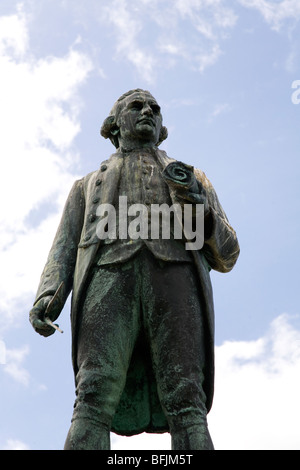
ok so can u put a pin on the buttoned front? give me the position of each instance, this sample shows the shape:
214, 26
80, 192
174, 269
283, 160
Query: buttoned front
141, 180
142, 183
93, 194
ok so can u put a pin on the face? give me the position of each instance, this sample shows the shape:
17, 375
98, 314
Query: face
139, 120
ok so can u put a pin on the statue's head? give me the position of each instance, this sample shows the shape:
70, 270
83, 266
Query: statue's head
135, 121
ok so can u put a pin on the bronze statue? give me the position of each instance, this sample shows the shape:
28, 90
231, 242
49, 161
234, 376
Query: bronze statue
142, 313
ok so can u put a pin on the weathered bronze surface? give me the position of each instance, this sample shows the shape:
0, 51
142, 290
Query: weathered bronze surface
142, 312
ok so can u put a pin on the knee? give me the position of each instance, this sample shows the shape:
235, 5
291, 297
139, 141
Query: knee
86, 434
185, 399
97, 396
189, 430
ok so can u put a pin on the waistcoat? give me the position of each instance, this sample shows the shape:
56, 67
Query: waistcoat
142, 183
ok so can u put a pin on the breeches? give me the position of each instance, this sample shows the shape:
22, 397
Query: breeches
159, 302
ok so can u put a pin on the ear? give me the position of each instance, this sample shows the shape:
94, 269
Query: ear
163, 135
110, 130
115, 131
107, 126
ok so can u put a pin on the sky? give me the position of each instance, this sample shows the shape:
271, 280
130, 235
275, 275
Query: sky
227, 77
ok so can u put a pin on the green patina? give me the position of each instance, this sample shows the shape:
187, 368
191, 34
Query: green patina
142, 313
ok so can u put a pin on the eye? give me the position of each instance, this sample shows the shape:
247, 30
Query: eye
135, 105
155, 108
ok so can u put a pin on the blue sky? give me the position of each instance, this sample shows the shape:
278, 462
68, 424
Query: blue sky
222, 72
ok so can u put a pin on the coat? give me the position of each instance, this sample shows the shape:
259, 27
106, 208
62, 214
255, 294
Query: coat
73, 252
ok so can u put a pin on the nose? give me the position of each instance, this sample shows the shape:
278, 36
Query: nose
147, 109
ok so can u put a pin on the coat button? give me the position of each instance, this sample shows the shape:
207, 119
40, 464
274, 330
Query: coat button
103, 167
96, 200
92, 218
98, 182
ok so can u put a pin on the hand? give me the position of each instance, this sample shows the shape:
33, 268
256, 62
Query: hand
198, 197
181, 177
37, 317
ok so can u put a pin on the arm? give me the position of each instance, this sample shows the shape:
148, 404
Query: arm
61, 261
221, 248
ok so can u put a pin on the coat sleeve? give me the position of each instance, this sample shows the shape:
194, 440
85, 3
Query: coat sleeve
61, 260
221, 248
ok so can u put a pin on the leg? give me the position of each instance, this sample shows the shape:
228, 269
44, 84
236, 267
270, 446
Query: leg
175, 329
107, 332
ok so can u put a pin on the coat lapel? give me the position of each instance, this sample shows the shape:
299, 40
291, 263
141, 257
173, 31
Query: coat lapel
103, 184
109, 174
163, 159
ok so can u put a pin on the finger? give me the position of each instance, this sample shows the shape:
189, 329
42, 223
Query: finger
201, 188
37, 323
41, 326
48, 331
194, 197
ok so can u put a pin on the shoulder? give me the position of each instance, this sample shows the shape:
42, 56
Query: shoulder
201, 176
85, 179
104, 165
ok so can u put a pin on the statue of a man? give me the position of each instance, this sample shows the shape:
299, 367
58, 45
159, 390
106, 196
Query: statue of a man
142, 313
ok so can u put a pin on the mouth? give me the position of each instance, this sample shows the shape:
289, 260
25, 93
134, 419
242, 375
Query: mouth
148, 121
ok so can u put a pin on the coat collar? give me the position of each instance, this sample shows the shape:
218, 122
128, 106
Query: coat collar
110, 171
115, 159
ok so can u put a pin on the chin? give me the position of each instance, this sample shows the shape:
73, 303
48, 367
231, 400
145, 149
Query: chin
145, 128
146, 131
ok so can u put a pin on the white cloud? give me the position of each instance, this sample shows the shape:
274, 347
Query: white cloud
207, 59
256, 405
14, 33
14, 365
39, 118
157, 34
127, 29
2, 352
142, 441
163, 22
219, 109
207, 15
275, 13
15, 444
